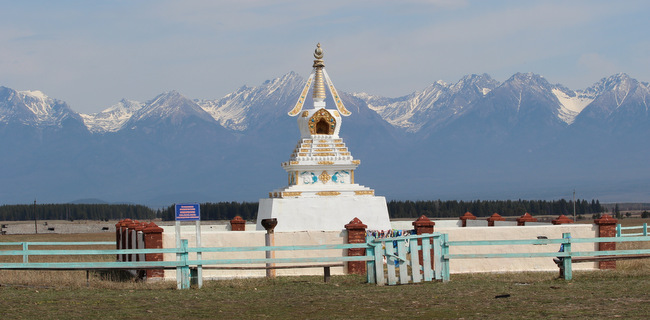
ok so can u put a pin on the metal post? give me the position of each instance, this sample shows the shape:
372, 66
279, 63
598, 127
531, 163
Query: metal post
269, 225
35, 228
574, 205
199, 268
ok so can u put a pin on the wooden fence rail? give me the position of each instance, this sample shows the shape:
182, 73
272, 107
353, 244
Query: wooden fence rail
566, 256
182, 264
406, 259
620, 229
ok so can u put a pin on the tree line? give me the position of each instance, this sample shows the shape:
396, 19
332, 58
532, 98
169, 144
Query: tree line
76, 212
248, 210
485, 208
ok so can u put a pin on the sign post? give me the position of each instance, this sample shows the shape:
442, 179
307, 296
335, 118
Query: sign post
189, 212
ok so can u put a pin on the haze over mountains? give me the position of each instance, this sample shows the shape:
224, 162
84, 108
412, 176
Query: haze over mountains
475, 139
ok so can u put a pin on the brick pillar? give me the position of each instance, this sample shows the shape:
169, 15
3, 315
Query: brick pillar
495, 217
562, 219
356, 234
124, 236
526, 217
237, 224
153, 240
422, 226
467, 216
606, 228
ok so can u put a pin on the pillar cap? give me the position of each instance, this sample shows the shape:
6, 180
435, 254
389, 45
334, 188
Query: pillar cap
527, 217
355, 224
562, 219
237, 219
152, 228
423, 221
606, 220
140, 226
496, 217
468, 216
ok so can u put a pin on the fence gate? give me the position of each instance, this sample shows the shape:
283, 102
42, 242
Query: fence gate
407, 259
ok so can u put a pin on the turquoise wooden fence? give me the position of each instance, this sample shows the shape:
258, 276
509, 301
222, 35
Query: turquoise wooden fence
182, 264
401, 260
620, 229
396, 260
567, 255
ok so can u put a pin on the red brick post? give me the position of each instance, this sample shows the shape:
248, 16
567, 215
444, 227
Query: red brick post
467, 216
356, 234
562, 219
526, 217
153, 240
495, 217
423, 226
237, 224
606, 228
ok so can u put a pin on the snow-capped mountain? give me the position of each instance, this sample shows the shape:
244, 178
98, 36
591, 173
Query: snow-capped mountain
240, 109
438, 103
33, 108
170, 108
113, 118
618, 98
476, 138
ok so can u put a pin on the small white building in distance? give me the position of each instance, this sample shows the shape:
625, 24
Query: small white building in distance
322, 193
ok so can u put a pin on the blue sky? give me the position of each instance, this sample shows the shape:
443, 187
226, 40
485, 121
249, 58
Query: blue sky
91, 54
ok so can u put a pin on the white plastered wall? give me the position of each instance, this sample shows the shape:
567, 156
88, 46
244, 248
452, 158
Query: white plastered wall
211, 238
513, 233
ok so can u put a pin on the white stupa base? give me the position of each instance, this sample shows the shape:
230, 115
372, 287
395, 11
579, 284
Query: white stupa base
324, 213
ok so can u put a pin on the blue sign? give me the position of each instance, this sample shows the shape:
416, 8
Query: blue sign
188, 212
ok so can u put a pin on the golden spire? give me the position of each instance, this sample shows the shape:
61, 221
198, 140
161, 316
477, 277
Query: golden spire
319, 83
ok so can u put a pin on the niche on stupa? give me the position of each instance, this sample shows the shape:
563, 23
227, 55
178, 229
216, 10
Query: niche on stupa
322, 122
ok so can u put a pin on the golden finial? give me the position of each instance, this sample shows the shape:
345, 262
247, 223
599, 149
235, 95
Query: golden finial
319, 85
318, 53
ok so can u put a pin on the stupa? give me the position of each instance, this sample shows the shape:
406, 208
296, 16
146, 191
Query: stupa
321, 192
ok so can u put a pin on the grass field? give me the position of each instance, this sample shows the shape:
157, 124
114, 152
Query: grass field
622, 293
595, 295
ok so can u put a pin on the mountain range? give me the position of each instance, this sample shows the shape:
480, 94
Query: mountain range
477, 138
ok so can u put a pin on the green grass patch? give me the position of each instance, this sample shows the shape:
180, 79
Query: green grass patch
600, 294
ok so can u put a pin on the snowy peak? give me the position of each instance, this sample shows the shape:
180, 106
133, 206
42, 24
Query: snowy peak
618, 98
33, 108
526, 96
113, 118
169, 107
436, 104
238, 110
